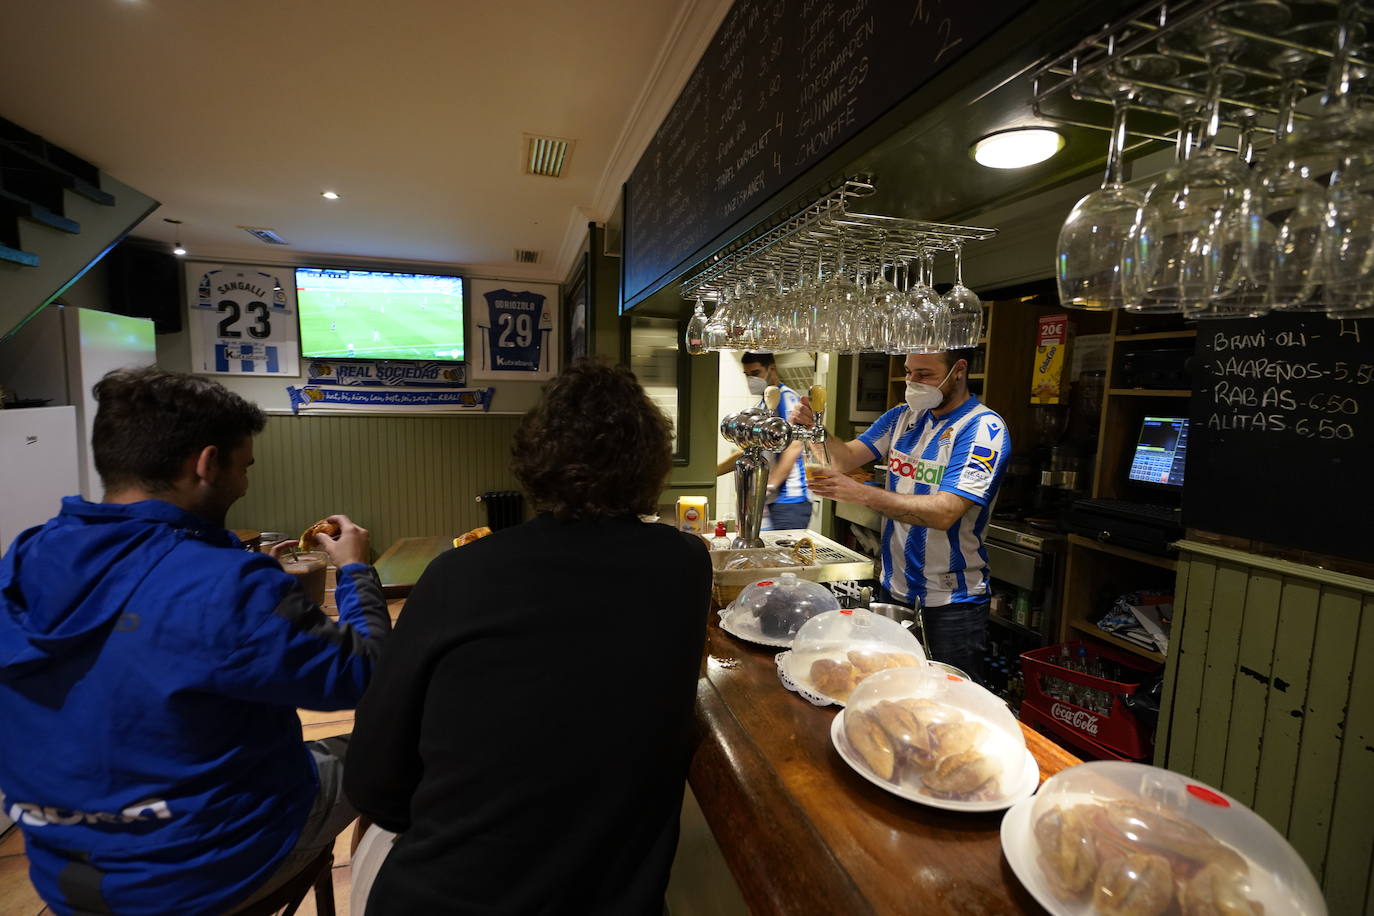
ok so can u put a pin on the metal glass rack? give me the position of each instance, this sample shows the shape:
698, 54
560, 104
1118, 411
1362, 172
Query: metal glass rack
825, 234
1068, 88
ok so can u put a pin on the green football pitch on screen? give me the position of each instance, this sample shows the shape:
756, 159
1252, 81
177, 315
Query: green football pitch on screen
375, 324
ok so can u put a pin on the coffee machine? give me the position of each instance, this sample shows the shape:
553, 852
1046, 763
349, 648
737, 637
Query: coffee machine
757, 431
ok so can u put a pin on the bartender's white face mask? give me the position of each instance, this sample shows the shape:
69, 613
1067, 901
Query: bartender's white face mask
756, 385
920, 396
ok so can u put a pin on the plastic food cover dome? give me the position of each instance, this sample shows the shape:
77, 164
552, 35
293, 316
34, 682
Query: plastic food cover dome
932, 737
834, 651
771, 611
1116, 837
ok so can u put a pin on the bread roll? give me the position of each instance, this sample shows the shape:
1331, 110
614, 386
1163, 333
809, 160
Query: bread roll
323, 526
469, 536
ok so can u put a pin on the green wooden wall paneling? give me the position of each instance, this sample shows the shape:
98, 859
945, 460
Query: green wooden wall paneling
396, 476
1283, 720
1350, 848
1269, 695
1333, 657
1250, 698
1219, 673
1164, 734
1191, 655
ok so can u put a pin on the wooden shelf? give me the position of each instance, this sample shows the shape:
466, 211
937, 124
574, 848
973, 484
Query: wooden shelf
1150, 392
1095, 632
1157, 335
1127, 553
1016, 627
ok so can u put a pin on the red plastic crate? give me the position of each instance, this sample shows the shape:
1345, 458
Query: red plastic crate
1087, 748
1116, 729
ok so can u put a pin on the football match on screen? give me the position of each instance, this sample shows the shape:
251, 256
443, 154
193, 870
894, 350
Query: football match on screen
358, 314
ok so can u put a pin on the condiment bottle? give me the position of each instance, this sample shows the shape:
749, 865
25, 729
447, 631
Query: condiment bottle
721, 541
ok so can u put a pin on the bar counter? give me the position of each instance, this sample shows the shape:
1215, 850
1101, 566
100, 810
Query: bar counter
805, 834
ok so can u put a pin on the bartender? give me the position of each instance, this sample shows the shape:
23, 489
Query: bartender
788, 502
945, 452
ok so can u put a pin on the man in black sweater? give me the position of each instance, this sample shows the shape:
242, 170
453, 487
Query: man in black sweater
529, 731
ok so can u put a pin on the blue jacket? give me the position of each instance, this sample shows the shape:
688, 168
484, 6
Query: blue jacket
150, 671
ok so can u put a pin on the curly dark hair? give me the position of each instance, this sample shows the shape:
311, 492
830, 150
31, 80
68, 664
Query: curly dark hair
594, 446
150, 420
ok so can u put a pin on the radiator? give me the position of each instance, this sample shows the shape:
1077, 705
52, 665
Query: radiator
504, 508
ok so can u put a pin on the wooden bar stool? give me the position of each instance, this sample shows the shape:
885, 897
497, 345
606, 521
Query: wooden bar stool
317, 873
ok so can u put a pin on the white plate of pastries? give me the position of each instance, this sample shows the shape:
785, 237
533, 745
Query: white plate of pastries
1111, 838
940, 742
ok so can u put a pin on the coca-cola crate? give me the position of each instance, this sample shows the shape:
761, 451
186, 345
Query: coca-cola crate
1098, 715
1086, 747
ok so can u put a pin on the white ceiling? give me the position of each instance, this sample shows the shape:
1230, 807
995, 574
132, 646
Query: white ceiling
240, 112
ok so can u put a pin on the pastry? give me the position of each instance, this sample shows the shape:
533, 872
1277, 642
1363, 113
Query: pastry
470, 536
960, 775
1217, 890
868, 738
323, 526
903, 726
1133, 885
832, 678
1068, 855
872, 662
1131, 827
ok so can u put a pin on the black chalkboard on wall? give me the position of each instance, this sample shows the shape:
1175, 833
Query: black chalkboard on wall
782, 84
1281, 438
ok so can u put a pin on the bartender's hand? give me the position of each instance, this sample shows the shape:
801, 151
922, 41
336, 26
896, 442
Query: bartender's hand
839, 487
802, 414
351, 546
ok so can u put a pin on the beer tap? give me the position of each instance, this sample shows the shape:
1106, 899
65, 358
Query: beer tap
757, 431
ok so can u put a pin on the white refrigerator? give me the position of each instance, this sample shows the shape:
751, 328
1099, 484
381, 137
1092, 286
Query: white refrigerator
60, 354
39, 465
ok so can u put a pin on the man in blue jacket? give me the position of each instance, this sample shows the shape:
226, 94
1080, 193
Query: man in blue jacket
150, 671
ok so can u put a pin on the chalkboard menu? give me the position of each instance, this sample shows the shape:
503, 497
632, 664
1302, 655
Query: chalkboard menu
782, 84
1281, 439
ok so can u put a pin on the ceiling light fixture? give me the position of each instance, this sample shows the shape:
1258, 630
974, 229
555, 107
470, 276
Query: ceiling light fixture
330, 195
176, 246
1017, 147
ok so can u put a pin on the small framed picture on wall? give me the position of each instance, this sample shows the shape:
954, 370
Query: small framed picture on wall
578, 308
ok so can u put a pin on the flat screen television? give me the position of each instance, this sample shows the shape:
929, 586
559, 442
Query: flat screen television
1160, 452
374, 314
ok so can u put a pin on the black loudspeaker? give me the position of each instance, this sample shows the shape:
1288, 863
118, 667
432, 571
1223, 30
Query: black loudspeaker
145, 282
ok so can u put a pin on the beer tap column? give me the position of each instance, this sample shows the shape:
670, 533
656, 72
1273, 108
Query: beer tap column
757, 431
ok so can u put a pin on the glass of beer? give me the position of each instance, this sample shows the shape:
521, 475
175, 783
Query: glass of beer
816, 461
308, 567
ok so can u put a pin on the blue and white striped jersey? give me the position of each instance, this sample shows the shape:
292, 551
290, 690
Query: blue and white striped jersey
793, 489
964, 453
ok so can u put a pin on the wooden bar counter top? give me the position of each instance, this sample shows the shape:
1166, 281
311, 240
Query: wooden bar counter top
804, 834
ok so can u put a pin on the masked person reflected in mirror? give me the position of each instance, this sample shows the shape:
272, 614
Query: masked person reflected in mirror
944, 452
788, 504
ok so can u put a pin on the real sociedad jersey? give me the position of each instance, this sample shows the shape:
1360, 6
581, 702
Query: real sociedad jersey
793, 489
515, 336
963, 453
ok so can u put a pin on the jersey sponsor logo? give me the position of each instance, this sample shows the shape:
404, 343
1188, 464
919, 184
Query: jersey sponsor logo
921, 471
41, 816
982, 458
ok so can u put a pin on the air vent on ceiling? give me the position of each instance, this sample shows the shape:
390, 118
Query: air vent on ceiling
525, 256
546, 155
264, 235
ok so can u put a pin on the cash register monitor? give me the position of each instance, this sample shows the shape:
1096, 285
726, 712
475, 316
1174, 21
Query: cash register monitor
1160, 451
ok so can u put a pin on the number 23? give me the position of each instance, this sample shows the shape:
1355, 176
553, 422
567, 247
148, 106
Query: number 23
261, 328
